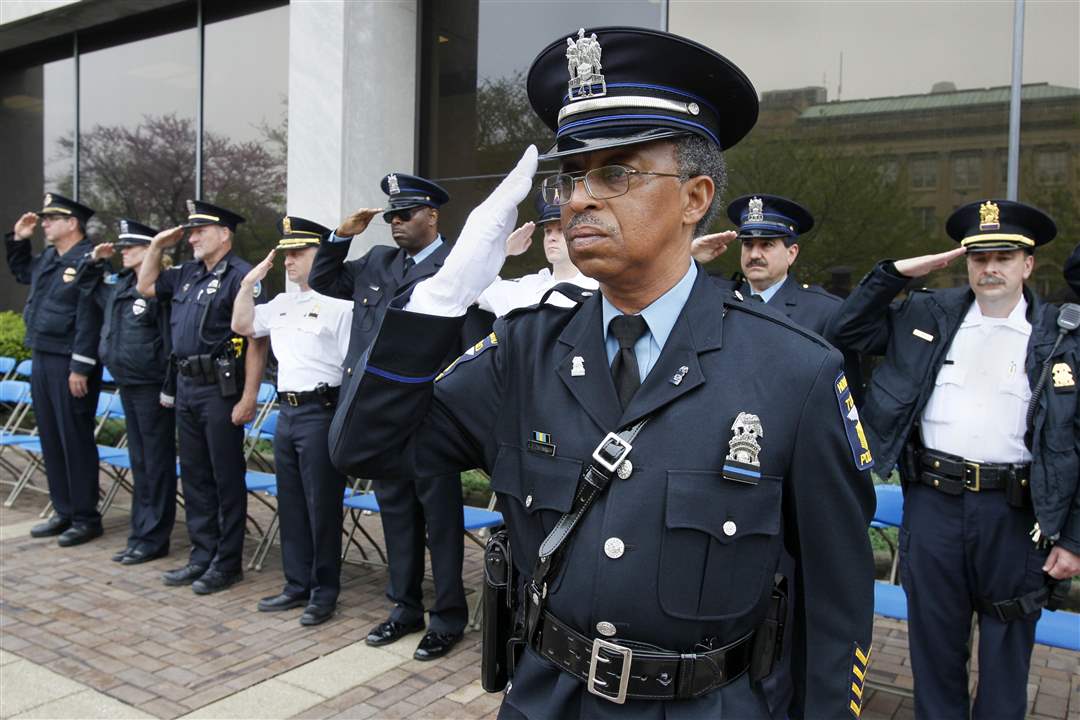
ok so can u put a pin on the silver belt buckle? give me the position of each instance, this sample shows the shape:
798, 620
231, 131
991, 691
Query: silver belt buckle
624, 450
595, 686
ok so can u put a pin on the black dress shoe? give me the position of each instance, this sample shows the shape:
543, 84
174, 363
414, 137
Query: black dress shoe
316, 614
282, 601
435, 645
141, 555
119, 557
80, 533
183, 576
53, 526
214, 581
390, 631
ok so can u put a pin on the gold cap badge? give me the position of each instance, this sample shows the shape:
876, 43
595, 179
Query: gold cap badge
989, 216
286, 224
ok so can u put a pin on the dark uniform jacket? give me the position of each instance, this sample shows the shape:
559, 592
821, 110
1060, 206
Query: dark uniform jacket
59, 318
135, 343
870, 322
812, 306
202, 303
1072, 270
701, 550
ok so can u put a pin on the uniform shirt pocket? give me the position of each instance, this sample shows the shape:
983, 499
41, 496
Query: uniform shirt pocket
720, 544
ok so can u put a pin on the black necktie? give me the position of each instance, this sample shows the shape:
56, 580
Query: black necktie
757, 298
624, 368
409, 262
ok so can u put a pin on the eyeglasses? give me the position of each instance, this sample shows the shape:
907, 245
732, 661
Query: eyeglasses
405, 215
601, 183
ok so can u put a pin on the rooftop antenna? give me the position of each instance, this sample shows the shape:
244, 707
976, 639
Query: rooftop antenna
840, 82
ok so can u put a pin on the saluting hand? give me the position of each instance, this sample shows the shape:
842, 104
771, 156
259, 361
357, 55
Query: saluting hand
357, 222
168, 238
520, 240
77, 384
709, 247
24, 226
257, 273
103, 251
926, 264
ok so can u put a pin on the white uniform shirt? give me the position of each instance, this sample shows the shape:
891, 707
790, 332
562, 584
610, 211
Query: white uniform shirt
979, 404
310, 336
502, 296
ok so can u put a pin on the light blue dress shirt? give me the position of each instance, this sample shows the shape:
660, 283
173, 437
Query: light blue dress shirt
767, 293
660, 318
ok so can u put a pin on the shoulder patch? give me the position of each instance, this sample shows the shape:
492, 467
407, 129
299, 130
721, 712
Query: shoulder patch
471, 354
860, 663
856, 436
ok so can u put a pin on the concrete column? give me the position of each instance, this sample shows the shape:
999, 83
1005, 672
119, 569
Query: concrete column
352, 107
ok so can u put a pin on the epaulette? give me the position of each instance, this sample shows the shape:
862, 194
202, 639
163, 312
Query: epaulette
574, 293
819, 291
737, 301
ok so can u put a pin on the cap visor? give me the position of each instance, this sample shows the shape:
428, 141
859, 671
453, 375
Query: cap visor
577, 145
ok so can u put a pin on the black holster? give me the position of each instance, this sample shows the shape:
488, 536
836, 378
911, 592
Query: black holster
501, 642
229, 377
769, 637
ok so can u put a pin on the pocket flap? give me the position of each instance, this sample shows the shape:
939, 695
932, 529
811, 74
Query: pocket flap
540, 482
708, 502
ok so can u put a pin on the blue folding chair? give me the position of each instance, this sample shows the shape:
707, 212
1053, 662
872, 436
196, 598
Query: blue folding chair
7, 366
24, 368
107, 377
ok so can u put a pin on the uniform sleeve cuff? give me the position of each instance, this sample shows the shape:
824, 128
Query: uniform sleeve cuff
335, 238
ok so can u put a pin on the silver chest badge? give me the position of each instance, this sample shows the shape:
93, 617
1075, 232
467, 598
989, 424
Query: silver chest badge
212, 287
139, 306
583, 61
742, 464
577, 366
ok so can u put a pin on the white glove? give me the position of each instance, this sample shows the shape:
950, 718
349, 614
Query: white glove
480, 251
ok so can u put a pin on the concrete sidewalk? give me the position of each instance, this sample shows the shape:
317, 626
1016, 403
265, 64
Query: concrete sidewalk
84, 637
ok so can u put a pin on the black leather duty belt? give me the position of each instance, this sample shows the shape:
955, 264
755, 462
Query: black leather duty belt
326, 397
617, 671
953, 475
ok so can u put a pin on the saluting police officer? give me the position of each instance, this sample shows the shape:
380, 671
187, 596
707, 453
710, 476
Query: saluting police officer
309, 334
988, 484
135, 346
502, 296
417, 509
770, 228
216, 393
62, 330
654, 447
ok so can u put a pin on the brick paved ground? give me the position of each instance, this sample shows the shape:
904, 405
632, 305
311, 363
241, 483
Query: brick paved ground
167, 652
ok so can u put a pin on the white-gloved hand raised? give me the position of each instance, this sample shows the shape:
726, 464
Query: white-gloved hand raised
480, 251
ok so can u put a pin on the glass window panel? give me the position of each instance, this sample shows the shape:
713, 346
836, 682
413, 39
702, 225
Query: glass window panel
137, 129
967, 172
923, 172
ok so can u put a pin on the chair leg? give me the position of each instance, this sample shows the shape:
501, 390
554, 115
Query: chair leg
20, 484
272, 531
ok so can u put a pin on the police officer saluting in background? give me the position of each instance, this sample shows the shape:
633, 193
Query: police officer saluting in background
989, 485
655, 447
416, 511
135, 348
62, 330
309, 334
216, 393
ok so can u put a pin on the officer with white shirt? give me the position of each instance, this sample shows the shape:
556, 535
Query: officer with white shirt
991, 513
502, 296
309, 334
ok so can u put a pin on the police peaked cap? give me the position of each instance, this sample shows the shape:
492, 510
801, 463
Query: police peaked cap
131, 233
769, 216
633, 85
546, 213
298, 233
203, 213
408, 191
61, 206
988, 225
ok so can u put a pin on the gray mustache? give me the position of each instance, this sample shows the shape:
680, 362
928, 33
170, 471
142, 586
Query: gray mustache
990, 280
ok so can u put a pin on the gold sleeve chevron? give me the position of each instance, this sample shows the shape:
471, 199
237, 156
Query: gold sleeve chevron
471, 354
859, 667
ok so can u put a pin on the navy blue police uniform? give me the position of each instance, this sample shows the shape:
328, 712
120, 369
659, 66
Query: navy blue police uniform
135, 346
212, 465
669, 575
1072, 270
966, 545
62, 330
811, 306
309, 334
405, 508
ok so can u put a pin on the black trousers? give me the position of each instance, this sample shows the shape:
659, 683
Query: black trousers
414, 511
212, 471
310, 493
151, 433
952, 551
66, 426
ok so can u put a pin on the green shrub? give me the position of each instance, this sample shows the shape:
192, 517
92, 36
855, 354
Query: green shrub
12, 332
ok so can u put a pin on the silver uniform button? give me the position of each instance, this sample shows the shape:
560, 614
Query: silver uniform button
605, 628
528, 501
614, 548
624, 469
729, 528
